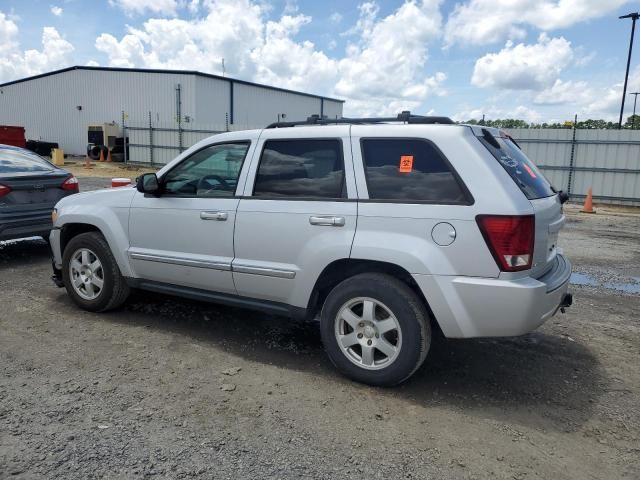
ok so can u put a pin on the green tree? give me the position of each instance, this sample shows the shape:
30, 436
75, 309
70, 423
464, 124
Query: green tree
632, 122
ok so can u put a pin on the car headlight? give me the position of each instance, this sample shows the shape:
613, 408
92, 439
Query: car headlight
54, 216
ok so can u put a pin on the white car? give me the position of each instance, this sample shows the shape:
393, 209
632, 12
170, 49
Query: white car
388, 228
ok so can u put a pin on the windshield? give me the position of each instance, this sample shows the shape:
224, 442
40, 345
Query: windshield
522, 170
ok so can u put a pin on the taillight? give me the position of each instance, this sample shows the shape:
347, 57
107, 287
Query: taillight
510, 239
71, 184
4, 190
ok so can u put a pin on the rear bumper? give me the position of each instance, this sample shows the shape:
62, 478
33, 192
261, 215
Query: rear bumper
25, 224
467, 307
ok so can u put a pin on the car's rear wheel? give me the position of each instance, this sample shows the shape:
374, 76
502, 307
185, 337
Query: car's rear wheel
375, 329
91, 275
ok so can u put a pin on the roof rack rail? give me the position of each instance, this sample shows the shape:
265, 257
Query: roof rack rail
405, 117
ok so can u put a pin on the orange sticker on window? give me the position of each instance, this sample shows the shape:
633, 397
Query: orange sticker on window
406, 163
529, 171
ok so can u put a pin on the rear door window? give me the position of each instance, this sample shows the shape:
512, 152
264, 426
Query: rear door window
301, 169
522, 170
410, 170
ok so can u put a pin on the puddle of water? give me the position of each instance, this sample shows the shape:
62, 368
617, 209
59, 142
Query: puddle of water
624, 287
583, 279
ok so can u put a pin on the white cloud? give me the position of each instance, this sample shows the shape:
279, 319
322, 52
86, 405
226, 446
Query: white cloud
604, 102
138, 7
381, 72
15, 63
487, 21
560, 102
336, 17
230, 30
384, 71
55, 10
194, 6
564, 92
524, 67
290, 7
8, 34
282, 61
368, 12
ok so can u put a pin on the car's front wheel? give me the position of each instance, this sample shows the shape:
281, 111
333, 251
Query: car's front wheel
375, 329
91, 275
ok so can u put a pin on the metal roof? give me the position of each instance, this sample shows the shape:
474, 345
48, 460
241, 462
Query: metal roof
178, 72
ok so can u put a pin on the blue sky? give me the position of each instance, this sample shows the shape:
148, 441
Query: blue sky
541, 60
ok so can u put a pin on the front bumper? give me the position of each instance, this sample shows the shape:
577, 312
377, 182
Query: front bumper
467, 307
57, 276
56, 254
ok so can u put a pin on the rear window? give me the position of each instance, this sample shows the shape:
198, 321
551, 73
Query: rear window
301, 169
13, 161
410, 170
523, 171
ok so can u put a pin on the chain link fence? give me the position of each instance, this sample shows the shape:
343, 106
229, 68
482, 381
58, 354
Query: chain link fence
154, 142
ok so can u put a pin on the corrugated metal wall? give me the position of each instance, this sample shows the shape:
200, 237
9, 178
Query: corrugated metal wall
253, 107
47, 107
606, 160
332, 109
212, 104
256, 107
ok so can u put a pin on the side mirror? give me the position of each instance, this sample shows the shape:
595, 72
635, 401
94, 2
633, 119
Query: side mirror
148, 183
563, 196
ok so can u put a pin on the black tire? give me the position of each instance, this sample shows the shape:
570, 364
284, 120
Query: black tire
411, 315
115, 289
94, 152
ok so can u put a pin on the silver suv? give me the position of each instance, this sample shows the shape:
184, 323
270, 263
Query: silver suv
390, 229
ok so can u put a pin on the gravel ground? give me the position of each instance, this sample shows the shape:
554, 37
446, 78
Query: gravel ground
94, 183
168, 388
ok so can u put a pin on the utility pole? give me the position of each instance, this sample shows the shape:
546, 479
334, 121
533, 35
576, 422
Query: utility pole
633, 17
633, 119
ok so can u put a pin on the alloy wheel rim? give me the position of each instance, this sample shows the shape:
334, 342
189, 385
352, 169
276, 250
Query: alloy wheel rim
368, 333
87, 274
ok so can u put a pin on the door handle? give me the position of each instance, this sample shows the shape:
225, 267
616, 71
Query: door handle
327, 221
220, 216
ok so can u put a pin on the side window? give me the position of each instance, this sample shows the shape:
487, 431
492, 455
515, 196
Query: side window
409, 170
210, 172
301, 168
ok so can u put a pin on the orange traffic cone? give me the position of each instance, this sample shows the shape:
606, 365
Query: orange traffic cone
588, 203
108, 155
87, 163
101, 155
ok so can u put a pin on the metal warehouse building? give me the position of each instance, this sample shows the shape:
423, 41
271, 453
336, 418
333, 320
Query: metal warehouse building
163, 111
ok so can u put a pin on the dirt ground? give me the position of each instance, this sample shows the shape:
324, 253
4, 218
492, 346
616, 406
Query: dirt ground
168, 388
77, 166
